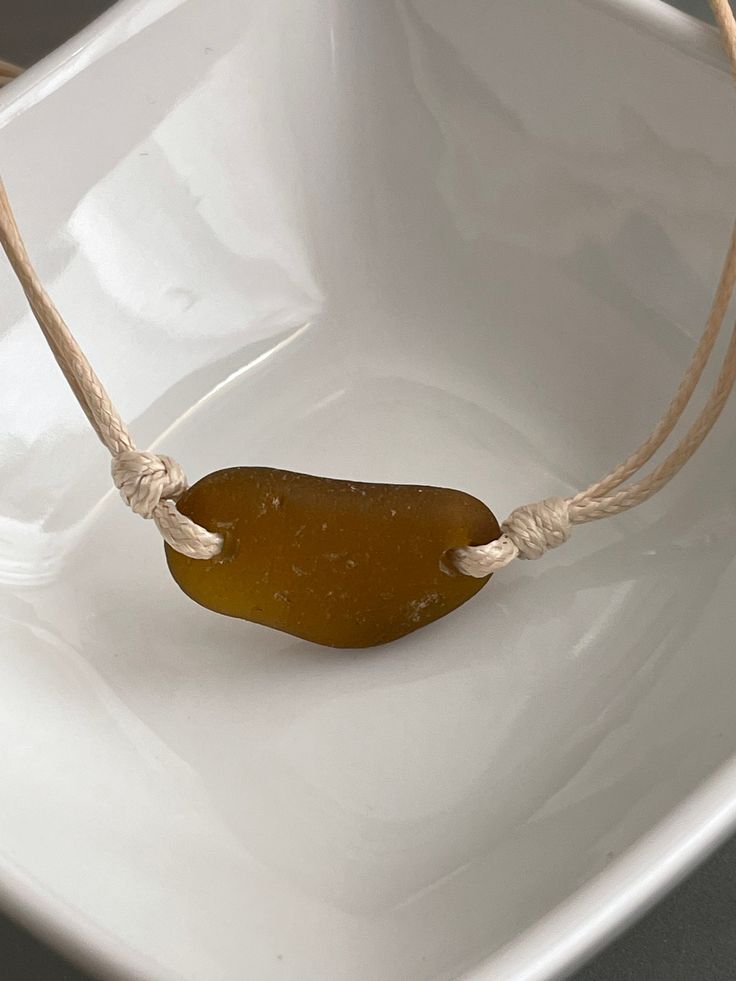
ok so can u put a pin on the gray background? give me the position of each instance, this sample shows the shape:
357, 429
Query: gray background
689, 936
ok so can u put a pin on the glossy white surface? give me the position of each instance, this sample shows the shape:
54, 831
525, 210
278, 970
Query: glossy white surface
465, 244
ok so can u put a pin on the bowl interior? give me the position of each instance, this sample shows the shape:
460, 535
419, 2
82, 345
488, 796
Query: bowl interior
469, 245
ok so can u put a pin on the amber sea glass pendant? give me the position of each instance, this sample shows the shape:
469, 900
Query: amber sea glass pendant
335, 562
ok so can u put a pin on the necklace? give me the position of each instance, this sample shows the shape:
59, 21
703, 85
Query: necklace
349, 564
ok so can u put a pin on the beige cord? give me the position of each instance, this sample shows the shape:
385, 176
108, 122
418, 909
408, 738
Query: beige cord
531, 530
8, 72
724, 18
148, 483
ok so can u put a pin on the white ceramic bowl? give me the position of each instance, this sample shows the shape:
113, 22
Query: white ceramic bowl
463, 243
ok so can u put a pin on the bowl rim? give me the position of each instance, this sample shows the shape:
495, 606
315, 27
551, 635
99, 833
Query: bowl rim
563, 939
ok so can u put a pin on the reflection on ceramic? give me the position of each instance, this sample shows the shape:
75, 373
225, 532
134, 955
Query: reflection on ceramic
466, 244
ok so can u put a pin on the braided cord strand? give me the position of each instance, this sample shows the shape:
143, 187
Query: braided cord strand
149, 483
532, 529
8, 71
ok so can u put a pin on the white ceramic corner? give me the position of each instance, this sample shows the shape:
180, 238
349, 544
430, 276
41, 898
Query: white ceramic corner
467, 244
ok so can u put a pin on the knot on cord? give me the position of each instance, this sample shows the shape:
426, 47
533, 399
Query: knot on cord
528, 533
146, 479
535, 528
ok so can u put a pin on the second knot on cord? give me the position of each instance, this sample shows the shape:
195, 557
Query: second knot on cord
528, 533
535, 528
144, 479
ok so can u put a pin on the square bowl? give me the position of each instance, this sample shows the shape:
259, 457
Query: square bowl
465, 244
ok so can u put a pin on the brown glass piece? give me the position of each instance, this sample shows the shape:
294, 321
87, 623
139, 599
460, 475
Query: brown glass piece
339, 563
